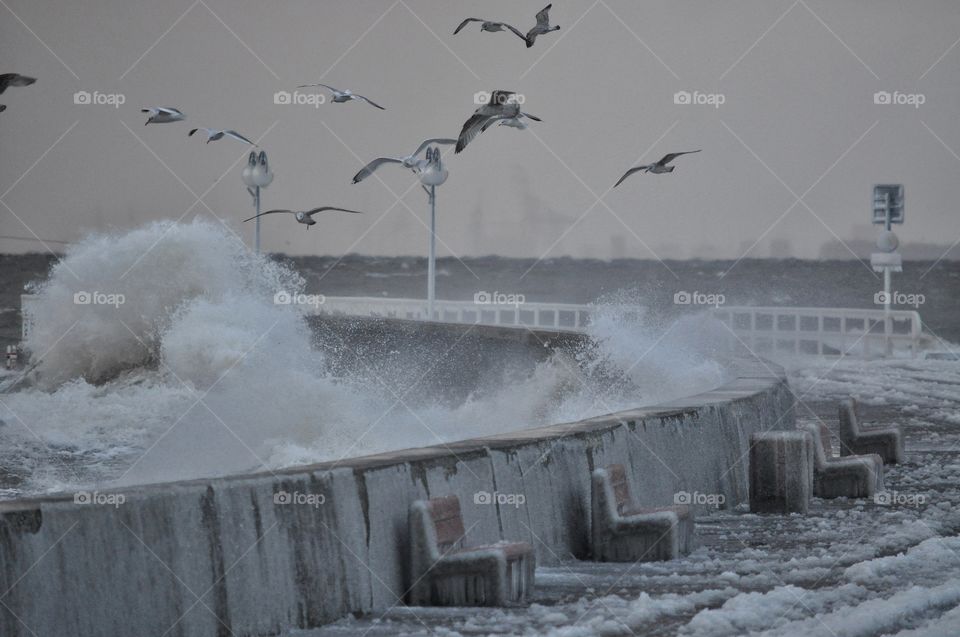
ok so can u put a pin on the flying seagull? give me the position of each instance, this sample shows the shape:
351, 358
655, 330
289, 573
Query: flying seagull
14, 79
658, 167
501, 106
513, 122
344, 96
488, 25
410, 161
542, 26
305, 217
163, 115
213, 135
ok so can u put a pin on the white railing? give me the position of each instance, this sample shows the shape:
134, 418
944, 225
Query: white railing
767, 331
551, 316
821, 331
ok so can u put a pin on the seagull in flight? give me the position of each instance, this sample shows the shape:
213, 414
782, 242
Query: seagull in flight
13, 79
163, 115
658, 167
410, 161
488, 25
305, 217
513, 122
344, 96
502, 106
214, 134
542, 26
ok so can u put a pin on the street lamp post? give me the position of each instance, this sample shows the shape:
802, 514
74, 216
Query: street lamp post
888, 209
433, 174
256, 175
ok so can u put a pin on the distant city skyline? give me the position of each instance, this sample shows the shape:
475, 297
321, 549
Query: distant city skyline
799, 107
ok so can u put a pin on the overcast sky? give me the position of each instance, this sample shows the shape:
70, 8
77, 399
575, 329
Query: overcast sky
789, 158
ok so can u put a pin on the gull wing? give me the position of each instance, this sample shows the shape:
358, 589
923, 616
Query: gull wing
367, 170
234, 134
310, 213
669, 157
368, 101
543, 16
471, 128
628, 173
268, 212
465, 23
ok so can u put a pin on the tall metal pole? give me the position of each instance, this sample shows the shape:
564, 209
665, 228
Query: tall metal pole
256, 240
432, 264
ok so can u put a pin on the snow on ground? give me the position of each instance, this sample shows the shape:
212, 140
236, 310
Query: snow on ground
847, 569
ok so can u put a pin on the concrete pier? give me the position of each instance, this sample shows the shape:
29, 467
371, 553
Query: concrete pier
254, 554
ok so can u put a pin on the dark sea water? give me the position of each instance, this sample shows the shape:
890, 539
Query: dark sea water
653, 284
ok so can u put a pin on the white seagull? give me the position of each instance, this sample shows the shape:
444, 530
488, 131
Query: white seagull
487, 25
410, 161
344, 96
163, 115
305, 217
214, 134
542, 26
658, 167
501, 106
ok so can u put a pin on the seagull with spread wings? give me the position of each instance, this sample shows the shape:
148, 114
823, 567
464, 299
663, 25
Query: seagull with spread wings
411, 161
658, 167
163, 115
306, 216
488, 25
344, 96
501, 106
214, 134
542, 26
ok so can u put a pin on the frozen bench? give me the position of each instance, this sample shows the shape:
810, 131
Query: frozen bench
624, 532
850, 476
446, 571
781, 471
886, 442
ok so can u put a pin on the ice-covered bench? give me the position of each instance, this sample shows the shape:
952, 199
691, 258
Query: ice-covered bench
850, 476
447, 571
624, 532
781, 472
886, 442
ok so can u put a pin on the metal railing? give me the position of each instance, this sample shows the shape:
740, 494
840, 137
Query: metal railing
767, 331
823, 331
551, 316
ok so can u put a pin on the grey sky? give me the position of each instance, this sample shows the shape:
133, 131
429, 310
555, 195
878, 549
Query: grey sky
798, 80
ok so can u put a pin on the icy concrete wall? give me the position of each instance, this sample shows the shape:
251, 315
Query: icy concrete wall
249, 555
